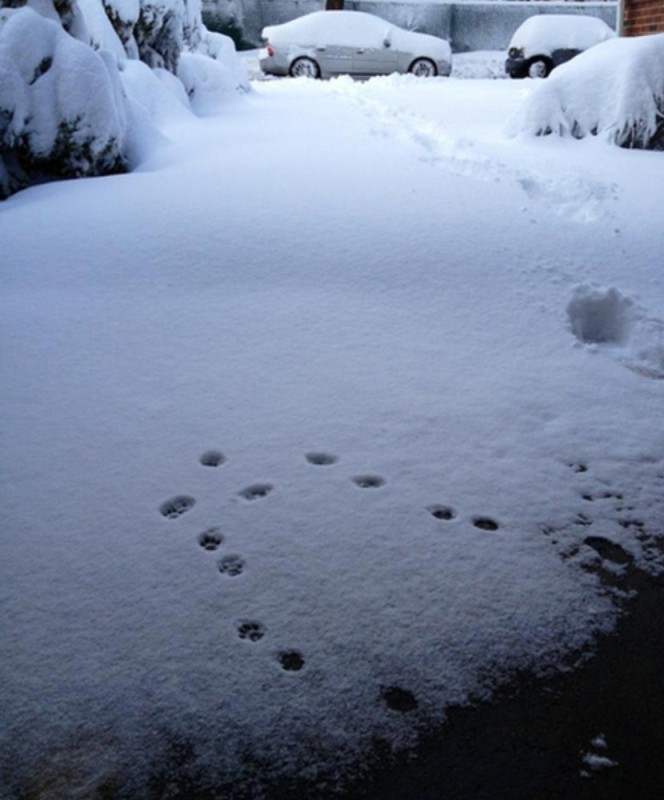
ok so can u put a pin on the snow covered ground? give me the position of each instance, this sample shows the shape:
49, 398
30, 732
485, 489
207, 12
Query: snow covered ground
334, 413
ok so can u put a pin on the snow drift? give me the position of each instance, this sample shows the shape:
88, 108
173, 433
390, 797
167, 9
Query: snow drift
283, 480
614, 90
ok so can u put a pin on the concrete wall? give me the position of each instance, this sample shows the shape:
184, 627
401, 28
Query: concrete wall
473, 25
489, 26
426, 17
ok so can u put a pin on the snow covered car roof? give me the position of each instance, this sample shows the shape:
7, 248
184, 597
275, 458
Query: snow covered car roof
354, 29
544, 33
615, 90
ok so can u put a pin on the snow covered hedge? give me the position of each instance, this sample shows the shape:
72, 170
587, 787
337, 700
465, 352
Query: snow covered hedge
62, 109
614, 90
68, 106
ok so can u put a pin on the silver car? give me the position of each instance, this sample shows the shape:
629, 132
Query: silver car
329, 43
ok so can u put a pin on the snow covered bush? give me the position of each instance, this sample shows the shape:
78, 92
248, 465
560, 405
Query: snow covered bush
614, 90
156, 31
123, 16
62, 109
211, 73
66, 109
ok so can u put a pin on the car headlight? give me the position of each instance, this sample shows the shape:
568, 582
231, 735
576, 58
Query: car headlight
515, 52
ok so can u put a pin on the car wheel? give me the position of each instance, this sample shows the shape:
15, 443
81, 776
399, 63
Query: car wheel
539, 68
304, 67
423, 68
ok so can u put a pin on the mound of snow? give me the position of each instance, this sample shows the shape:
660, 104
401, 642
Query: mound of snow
62, 109
206, 81
203, 81
211, 72
614, 90
159, 93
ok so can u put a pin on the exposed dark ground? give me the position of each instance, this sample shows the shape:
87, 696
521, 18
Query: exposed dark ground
528, 744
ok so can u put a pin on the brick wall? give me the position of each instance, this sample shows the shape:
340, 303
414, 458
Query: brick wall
643, 17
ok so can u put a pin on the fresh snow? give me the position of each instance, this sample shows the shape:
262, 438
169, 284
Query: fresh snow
332, 414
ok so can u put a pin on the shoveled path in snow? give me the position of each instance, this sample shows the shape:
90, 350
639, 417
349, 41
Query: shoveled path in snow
332, 415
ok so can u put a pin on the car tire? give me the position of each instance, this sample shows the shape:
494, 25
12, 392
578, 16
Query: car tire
539, 67
304, 67
423, 68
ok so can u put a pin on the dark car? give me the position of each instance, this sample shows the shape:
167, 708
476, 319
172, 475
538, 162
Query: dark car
544, 41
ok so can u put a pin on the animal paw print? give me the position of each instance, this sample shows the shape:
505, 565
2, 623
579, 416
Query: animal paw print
176, 506
602, 496
250, 630
232, 566
368, 481
291, 660
445, 513
398, 699
211, 539
212, 458
578, 466
256, 491
485, 523
321, 459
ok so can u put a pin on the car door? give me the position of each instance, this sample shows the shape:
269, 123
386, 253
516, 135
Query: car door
374, 61
334, 59
374, 55
332, 42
